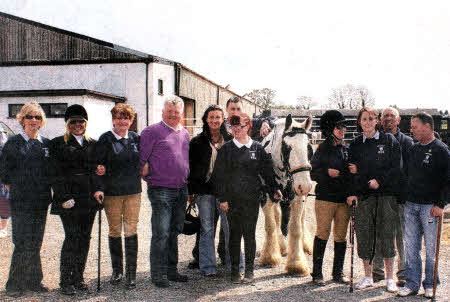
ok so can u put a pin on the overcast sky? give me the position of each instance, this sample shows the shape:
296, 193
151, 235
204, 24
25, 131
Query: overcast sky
400, 50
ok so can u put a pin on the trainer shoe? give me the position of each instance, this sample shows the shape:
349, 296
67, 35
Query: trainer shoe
391, 286
428, 293
405, 291
364, 283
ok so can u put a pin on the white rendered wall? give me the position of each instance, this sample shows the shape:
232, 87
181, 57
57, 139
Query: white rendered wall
98, 111
124, 80
167, 74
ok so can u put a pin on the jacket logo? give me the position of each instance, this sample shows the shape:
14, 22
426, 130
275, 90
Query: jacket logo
135, 149
345, 155
252, 154
427, 158
46, 153
380, 149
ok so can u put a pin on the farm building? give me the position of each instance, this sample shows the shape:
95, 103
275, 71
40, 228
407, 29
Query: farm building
58, 68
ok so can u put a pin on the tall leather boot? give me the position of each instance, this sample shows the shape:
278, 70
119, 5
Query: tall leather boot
338, 262
318, 252
115, 249
131, 249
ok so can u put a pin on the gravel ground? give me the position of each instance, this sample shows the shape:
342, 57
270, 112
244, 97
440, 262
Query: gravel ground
271, 284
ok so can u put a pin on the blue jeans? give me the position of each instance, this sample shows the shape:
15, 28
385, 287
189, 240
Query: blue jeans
207, 258
168, 213
419, 223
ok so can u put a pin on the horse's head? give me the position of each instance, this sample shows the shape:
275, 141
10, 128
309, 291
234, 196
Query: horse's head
294, 154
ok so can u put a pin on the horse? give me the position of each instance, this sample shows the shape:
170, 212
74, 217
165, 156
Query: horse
288, 144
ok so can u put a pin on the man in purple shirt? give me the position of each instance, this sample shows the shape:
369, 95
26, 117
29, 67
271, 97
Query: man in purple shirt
164, 156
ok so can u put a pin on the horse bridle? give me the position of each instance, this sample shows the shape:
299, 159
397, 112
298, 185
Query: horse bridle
289, 193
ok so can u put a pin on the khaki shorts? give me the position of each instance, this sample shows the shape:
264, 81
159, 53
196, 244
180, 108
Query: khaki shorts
384, 210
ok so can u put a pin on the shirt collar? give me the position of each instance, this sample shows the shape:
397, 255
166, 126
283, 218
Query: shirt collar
375, 136
79, 139
118, 137
179, 127
27, 138
239, 145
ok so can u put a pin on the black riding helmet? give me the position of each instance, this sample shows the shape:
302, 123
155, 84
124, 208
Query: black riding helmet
329, 120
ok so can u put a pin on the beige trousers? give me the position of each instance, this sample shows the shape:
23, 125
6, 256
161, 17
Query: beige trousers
326, 212
124, 209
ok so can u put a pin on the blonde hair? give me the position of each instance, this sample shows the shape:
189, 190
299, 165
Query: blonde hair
28, 109
67, 133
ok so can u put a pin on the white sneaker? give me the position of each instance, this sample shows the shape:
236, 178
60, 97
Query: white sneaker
428, 293
3, 233
364, 283
391, 286
405, 291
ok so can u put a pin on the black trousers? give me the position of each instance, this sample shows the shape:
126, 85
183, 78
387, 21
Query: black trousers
77, 227
28, 228
242, 219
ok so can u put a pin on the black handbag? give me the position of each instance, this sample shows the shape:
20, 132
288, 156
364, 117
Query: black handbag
191, 221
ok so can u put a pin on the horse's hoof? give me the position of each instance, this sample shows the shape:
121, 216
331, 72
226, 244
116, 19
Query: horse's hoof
297, 269
269, 261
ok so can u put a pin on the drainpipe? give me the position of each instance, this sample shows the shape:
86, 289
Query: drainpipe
217, 97
147, 106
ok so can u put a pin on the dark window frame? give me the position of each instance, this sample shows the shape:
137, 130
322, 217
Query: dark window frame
47, 107
160, 87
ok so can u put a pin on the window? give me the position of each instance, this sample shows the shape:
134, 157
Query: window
160, 87
51, 110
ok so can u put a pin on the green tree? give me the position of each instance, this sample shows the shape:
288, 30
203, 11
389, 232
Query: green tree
262, 97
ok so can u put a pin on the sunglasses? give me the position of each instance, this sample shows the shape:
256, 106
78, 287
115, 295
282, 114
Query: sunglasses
74, 122
36, 117
239, 126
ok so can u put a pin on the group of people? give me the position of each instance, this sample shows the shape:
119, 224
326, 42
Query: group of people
398, 189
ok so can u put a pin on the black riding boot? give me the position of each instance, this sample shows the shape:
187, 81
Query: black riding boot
131, 249
115, 249
338, 262
318, 252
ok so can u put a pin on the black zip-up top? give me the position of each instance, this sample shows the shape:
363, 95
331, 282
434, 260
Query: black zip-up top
199, 160
327, 157
121, 161
24, 165
428, 172
377, 159
73, 174
236, 175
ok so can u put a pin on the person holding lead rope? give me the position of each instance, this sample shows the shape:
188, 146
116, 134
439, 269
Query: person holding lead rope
374, 159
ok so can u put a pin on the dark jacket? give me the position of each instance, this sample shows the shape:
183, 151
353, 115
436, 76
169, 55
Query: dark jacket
428, 172
406, 143
25, 167
327, 157
73, 174
256, 126
236, 175
121, 161
199, 160
375, 159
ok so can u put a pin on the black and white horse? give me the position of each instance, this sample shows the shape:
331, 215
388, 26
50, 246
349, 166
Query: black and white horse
288, 143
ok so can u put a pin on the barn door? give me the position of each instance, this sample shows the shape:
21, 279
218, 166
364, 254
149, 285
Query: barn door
189, 115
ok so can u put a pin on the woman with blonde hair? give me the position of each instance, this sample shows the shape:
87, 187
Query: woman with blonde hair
24, 171
118, 152
73, 177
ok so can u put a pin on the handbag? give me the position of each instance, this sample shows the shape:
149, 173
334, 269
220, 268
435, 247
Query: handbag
191, 220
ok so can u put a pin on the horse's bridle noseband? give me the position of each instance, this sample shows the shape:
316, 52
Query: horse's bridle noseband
285, 153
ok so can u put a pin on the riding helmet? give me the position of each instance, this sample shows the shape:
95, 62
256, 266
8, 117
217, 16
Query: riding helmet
329, 120
77, 111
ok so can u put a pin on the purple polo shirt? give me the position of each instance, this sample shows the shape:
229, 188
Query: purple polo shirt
167, 152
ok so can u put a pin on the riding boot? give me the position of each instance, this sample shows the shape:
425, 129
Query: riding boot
318, 252
338, 262
131, 249
115, 249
